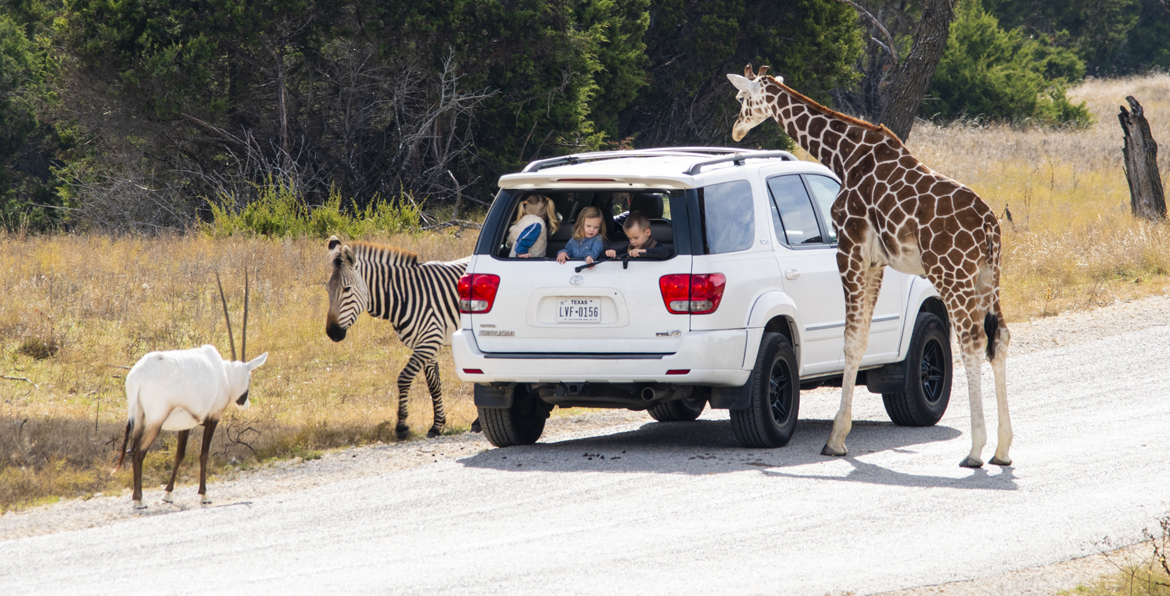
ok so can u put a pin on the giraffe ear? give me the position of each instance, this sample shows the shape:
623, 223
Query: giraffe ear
742, 83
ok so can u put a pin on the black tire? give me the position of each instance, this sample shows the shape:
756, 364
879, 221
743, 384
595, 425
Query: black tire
680, 410
928, 370
770, 420
521, 424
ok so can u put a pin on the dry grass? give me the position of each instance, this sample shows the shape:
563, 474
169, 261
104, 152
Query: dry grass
103, 303
76, 308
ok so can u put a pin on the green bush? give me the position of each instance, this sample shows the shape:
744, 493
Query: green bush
988, 72
279, 211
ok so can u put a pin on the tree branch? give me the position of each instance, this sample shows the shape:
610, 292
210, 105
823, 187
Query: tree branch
889, 46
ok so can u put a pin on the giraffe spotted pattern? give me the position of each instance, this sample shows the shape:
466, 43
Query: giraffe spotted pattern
893, 210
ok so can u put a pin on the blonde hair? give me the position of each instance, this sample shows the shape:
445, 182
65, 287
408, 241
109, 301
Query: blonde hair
542, 206
588, 213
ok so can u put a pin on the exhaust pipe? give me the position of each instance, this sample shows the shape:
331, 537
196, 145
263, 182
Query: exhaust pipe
651, 393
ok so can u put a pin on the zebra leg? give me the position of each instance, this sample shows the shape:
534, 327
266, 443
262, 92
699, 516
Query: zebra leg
405, 379
431, 370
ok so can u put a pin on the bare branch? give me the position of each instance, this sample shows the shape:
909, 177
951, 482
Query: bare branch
890, 46
19, 379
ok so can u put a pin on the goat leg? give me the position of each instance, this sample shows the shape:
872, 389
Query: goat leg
180, 452
208, 431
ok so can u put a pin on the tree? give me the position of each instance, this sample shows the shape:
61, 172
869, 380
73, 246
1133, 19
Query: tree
1098, 31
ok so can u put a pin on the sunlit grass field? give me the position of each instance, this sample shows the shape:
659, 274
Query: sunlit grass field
77, 310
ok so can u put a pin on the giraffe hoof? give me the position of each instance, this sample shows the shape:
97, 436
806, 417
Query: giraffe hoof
434, 432
139, 505
475, 427
1006, 461
834, 452
167, 498
971, 462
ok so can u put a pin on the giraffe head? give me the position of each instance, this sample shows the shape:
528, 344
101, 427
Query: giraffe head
754, 107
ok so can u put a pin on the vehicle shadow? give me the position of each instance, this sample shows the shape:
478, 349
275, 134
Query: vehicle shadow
709, 447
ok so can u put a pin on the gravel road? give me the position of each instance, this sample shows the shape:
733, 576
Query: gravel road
613, 503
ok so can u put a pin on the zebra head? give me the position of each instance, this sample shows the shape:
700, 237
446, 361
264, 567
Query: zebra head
348, 293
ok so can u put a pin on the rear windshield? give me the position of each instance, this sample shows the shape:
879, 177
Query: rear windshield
570, 208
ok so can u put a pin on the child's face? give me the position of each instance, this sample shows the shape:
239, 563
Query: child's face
592, 226
639, 237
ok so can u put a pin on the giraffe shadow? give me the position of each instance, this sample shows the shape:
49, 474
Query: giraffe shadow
706, 447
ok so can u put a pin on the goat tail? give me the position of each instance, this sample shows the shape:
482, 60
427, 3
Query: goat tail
125, 440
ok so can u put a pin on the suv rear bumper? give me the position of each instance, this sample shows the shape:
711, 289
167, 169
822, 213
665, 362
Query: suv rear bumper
713, 358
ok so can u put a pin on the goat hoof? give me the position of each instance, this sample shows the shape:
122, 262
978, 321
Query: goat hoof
1005, 461
205, 500
834, 452
971, 462
475, 428
167, 498
139, 505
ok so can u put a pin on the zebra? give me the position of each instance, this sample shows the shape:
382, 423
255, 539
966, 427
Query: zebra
421, 301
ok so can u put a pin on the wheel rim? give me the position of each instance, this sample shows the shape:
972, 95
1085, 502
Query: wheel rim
932, 371
780, 391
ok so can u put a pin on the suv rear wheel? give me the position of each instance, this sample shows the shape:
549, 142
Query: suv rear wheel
770, 419
520, 424
927, 370
681, 410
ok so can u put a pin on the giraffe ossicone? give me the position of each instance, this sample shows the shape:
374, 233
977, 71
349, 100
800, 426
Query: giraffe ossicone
893, 210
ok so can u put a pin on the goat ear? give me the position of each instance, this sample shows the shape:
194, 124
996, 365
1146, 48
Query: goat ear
258, 362
333, 242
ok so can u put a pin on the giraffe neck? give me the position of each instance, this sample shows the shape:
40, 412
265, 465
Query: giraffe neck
834, 139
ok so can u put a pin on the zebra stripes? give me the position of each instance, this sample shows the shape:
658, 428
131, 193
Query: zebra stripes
421, 301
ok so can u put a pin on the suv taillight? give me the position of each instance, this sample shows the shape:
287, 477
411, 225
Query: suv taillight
477, 292
694, 294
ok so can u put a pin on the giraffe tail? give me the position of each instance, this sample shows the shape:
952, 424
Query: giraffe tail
991, 328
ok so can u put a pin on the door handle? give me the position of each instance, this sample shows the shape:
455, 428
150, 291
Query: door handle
791, 273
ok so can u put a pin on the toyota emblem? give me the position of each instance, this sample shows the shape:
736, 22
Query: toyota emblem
576, 280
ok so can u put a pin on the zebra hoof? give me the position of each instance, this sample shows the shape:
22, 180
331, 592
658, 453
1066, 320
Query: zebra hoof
475, 428
403, 432
434, 432
1007, 461
971, 462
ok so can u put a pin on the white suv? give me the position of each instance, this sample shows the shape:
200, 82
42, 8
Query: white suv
747, 312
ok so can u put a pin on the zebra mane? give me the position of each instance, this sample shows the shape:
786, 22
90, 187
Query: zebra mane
381, 253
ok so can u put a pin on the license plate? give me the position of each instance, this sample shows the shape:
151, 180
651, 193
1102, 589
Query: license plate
578, 310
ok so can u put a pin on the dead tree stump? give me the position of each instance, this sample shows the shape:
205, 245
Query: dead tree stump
1146, 197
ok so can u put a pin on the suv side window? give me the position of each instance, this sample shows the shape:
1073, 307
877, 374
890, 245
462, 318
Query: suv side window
824, 190
727, 216
792, 211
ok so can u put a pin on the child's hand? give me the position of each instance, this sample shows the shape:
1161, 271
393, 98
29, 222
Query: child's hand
562, 257
588, 260
524, 256
636, 252
611, 253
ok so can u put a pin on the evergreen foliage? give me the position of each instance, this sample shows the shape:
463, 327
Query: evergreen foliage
988, 72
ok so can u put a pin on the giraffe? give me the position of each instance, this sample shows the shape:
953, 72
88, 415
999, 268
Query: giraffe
893, 210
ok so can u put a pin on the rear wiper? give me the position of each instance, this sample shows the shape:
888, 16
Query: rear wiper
625, 264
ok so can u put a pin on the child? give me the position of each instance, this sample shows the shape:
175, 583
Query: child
529, 235
588, 236
637, 229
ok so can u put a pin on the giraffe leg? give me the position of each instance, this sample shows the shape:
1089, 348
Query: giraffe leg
861, 291
431, 371
999, 367
180, 451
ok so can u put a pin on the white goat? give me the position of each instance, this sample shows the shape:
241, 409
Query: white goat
179, 390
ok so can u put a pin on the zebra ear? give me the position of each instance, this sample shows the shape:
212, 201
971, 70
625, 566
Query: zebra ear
347, 255
333, 242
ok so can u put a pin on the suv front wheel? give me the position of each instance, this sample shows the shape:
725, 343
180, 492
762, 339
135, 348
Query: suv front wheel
927, 372
520, 424
770, 419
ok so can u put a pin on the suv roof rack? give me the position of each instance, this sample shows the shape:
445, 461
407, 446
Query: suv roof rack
725, 154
